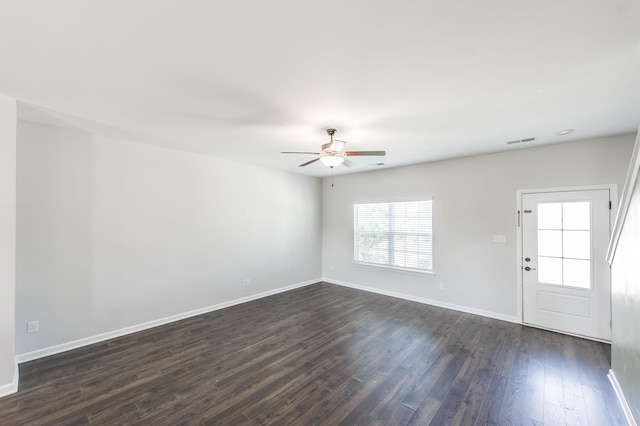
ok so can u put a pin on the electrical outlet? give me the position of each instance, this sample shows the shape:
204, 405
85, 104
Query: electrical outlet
246, 282
32, 327
441, 286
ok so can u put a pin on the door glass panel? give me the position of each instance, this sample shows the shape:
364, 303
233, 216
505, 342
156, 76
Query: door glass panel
576, 244
577, 273
550, 270
564, 244
550, 216
550, 243
576, 216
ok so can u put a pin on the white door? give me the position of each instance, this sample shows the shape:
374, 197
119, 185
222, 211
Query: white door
565, 275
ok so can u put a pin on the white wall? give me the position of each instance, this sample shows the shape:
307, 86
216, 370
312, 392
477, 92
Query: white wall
112, 234
474, 198
8, 120
625, 287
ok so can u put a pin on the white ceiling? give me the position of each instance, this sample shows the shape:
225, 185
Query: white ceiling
244, 80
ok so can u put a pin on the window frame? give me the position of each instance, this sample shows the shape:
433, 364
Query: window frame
392, 232
561, 257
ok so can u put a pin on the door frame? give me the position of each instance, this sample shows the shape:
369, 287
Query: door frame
613, 191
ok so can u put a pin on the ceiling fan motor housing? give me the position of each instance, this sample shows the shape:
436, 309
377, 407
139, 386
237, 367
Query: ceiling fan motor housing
333, 146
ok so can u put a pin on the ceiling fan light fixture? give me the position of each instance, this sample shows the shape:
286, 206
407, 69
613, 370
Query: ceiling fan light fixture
331, 161
333, 155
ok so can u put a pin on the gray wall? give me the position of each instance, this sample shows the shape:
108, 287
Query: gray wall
114, 233
474, 198
8, 120
625, 348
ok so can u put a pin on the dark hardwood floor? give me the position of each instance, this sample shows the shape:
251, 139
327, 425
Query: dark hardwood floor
323, 354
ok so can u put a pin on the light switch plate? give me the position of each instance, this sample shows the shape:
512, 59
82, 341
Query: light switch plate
498, 238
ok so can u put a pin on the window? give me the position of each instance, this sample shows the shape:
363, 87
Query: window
564, 244
394, 235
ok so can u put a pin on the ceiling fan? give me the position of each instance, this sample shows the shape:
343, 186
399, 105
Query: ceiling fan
332, 154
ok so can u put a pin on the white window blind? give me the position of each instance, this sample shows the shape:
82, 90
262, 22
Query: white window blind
394, 235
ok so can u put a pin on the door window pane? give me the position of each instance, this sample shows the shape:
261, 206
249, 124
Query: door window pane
576, 244
550, 243
577, 273
576, 216
550, 270
550, 216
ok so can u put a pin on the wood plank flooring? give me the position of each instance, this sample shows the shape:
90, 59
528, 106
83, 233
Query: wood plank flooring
327, 355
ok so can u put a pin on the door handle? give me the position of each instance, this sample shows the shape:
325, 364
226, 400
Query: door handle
526, 268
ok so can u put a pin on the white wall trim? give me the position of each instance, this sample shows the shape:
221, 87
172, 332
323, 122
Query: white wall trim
460, 308
12, 387
52, 350
621, 398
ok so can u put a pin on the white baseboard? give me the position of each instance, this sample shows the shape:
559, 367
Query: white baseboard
10, 388
621, 398
52, 350
432, 302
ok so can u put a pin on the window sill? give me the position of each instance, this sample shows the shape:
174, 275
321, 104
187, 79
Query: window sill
394, 268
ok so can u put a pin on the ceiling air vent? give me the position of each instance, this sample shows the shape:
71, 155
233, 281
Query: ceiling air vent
521, 141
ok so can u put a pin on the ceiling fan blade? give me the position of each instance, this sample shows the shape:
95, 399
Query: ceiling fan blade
353, 153
348, 163
299, 152
308, 162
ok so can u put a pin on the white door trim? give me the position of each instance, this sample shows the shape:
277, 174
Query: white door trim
613, 188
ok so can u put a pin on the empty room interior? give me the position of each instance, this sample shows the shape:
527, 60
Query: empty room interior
215, 212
